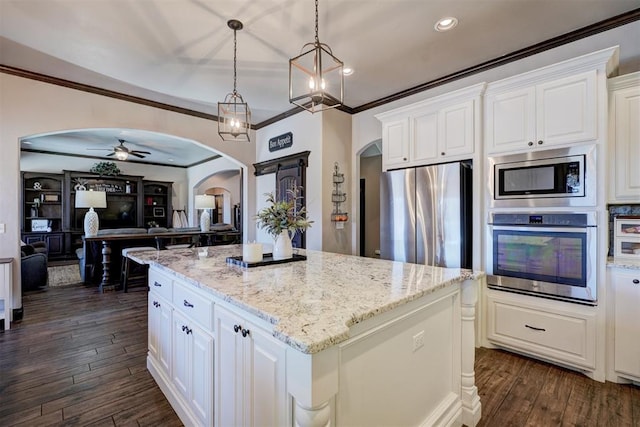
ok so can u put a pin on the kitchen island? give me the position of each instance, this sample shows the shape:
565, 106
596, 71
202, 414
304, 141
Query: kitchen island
330, 340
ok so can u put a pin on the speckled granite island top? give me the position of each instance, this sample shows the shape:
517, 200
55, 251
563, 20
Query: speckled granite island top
311, 303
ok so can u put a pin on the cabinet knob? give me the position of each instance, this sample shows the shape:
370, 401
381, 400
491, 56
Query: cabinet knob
245, 332
636, 281
530, 143
404, 159
187, 304
237, 328
540, 142
442, 154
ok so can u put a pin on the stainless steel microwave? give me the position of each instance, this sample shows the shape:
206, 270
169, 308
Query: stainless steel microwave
561, 177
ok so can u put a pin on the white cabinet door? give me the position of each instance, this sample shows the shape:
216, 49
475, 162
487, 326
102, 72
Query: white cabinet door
511, 120
160, 331
201, 375
626, 290
395, 142
229, 367
567, 109
250, 377
626, 135
424, 139
192, 366
456, 131
180, 354
558, 112
265, 384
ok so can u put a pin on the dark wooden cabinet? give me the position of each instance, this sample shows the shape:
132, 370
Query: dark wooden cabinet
157, 208
55, 243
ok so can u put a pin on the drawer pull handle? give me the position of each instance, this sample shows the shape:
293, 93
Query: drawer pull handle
534, 328
245, 332
157, 284
188, 304
636, 281
186, 329
237, 328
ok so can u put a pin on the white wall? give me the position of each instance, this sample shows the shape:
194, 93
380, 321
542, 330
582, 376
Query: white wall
366, 128
29, 107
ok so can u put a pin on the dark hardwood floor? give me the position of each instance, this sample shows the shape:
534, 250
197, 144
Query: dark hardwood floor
78, 358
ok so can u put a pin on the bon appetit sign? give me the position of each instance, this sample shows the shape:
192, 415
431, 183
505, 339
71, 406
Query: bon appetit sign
281, 141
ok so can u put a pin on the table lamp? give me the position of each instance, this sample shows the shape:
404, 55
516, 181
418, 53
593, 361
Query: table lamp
205, 202
91, 199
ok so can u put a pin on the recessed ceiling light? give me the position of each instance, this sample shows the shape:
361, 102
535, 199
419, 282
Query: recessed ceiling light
446, 24
347, 71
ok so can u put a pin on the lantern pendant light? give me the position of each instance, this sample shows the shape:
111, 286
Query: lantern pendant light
234, 116
316, 81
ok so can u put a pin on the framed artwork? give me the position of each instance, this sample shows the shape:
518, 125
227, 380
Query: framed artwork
158, 212
39, 225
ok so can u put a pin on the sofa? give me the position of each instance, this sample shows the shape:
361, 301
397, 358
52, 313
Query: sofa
33, 266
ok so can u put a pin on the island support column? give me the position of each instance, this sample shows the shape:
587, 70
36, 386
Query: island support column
312, 381
471, 407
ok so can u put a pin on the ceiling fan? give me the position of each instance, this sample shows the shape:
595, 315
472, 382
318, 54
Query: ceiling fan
121, 152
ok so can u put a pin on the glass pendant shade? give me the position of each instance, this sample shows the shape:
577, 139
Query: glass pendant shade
234, 118
316, 79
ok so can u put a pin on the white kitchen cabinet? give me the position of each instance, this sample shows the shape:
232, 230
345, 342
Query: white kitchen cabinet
5, 291
250, 373
558, 112
192, 370
396, 152
160, 331
624, 125
625, 287
553, 330
436, 130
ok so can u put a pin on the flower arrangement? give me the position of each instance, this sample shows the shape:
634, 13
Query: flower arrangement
283, 215
105, 168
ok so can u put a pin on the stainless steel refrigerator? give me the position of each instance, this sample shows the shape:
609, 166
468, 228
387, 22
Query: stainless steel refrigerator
425, 215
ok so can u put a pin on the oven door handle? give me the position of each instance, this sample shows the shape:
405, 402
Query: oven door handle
530, 228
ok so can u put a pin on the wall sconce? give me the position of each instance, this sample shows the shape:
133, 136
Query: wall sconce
337, 198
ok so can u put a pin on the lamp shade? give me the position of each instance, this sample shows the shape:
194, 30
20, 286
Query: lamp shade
204, 201
91, 199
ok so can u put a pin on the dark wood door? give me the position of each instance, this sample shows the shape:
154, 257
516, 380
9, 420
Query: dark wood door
289, 178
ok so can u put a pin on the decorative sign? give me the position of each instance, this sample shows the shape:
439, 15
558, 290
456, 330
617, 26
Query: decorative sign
280, 142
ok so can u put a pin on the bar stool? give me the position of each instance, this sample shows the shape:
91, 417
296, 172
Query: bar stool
125, 275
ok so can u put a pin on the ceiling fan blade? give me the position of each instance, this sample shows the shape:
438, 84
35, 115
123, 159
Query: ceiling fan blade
98, 149
139, 152
133, 153
111, 154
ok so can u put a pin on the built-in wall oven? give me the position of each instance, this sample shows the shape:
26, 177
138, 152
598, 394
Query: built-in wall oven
551, 255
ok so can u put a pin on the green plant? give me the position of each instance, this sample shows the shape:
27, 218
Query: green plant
283, 215
105, 168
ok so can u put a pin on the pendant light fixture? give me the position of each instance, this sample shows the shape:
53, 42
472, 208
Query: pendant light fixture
316, 81
234, 116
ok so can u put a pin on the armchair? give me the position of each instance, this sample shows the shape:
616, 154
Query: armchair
33, 267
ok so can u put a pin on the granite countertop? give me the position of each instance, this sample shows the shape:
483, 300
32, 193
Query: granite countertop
630, 264
311, 303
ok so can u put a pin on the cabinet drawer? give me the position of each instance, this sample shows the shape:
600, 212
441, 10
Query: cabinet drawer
194, 305
160, 283
566, 337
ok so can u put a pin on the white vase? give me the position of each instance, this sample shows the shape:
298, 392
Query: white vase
282, 248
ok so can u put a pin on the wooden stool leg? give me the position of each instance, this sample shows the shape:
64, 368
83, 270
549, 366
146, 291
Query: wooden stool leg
125, 273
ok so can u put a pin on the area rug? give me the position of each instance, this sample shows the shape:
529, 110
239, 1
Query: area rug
64, 275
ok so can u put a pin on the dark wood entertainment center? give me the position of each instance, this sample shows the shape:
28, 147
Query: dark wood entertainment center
48, 207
